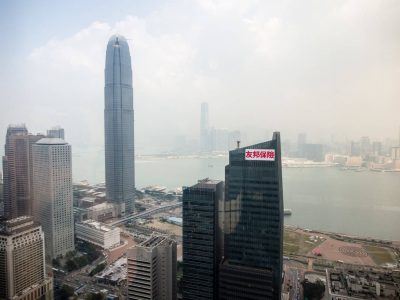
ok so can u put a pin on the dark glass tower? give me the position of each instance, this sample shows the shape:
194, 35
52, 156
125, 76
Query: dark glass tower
202, 239
252, 263
118, 125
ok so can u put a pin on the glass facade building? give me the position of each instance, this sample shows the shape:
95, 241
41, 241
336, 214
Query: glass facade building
17, 172
202, 239
253, 228
118, 125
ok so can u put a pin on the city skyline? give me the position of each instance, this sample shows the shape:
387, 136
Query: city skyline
178, 67
309, 213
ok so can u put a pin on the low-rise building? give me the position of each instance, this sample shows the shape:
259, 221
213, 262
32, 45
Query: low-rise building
349, 284
98, 233
114, 274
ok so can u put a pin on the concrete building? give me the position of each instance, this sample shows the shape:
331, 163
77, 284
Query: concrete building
252, 260
357, 284
395, 153
17, 171
56, 132
202, 240
98, 234
114, 274
377, 148
102, 212
118, 125
22, 264
152, 269
52, 185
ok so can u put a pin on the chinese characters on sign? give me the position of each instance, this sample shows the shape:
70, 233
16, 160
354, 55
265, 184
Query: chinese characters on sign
260, 154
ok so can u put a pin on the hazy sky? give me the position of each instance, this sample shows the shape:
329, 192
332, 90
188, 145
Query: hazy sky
321, 67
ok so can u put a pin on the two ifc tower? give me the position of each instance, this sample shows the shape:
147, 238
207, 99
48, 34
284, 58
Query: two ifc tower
118, 126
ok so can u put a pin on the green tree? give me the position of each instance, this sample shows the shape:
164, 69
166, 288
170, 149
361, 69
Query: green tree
66, 291
71, 265
56, 263
98, 268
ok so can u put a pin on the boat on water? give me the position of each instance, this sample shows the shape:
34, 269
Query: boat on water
287, 212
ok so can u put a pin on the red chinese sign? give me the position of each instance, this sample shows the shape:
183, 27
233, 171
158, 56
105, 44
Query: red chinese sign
260, 154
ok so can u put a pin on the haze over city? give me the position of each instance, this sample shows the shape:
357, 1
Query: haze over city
200, 150
325, 68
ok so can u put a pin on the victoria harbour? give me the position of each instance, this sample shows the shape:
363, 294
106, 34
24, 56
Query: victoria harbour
365, 204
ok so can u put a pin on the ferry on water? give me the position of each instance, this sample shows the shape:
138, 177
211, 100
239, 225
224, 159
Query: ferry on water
287, 212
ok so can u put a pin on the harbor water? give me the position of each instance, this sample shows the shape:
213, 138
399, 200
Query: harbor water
365, 203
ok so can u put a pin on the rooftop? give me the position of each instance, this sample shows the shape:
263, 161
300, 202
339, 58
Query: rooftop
364, 284
101, 206
16, 225
97, 225
206, 183
154, 241
51, 141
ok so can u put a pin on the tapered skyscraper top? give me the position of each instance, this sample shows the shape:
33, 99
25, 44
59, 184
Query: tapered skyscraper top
118, 125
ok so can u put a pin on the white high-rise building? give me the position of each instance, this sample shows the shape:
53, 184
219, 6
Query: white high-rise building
152, 269
52, 186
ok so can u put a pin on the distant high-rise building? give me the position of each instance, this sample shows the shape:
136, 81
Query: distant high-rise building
202, 210
301, 141
253, 244
52, 186
355, 148
377, 148
399, 137
365, 146
118, 125
1, 197
314, 152
152, 269
56, 132
22, 265
204, 128
17, 170
395, 153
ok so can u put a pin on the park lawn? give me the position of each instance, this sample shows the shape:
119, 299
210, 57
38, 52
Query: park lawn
379, 255
297, 243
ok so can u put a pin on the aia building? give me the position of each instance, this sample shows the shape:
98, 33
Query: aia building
251, 266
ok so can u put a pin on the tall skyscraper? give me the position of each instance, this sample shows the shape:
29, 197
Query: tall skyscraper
252, 262
22, 265
52, 186
202, 239
118, 125
204, 128
17, 170
56, 132
152, 269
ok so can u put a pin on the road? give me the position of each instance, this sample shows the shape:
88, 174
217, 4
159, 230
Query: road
146, 213
295, 285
